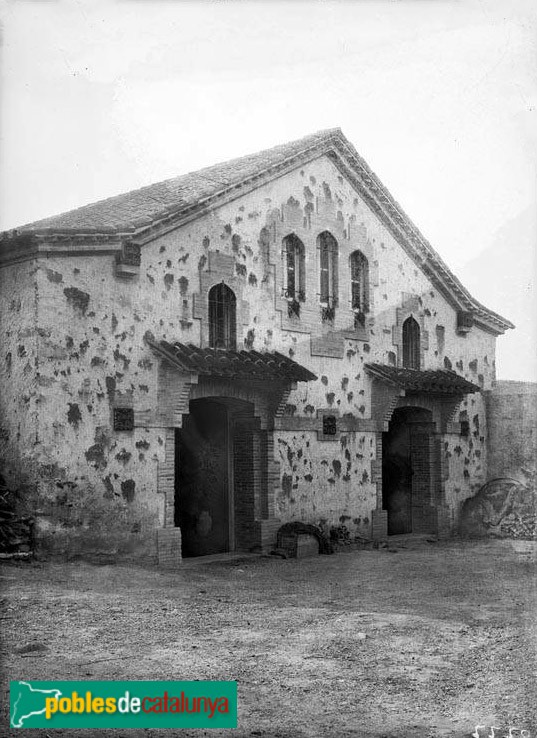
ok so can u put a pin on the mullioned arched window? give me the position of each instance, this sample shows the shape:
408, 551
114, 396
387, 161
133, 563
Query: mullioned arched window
294, 265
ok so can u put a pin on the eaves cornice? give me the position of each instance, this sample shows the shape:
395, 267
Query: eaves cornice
16, 247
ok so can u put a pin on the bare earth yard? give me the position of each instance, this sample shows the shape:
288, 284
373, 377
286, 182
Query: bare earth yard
428, 641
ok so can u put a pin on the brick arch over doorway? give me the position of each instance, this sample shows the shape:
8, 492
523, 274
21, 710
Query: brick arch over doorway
440, 394
220, 454
429, 510
248, 411
408, 472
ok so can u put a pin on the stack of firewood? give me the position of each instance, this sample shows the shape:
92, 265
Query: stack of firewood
519, 526
340, 534
16, 532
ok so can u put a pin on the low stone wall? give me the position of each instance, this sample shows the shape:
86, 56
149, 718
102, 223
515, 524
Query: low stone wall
506, 506
503, 508
512, 426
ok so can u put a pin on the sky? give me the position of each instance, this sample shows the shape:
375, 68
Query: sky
439, 96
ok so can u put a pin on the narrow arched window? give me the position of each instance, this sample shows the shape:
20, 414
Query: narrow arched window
328, 260
222, 317
294, 257
411, 344
359, 282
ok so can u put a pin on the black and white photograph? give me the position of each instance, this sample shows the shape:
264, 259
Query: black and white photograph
268, 368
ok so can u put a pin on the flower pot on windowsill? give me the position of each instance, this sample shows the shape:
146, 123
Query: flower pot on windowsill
293, 308
359, 319
328, 313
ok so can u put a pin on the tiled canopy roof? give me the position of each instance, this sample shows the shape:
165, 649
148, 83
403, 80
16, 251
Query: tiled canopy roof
431, 381
236, 364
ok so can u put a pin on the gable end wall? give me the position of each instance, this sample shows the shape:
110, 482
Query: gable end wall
92, 357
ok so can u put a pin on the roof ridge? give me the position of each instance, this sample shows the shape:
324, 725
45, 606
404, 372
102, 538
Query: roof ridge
317, 137
153, 209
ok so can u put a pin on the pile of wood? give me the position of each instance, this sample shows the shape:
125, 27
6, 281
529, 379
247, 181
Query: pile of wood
523, 527
16, 532
503, 508
340, 535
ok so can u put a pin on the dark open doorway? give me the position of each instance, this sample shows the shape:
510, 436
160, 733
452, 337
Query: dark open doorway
214, 477
202, 479
406, 468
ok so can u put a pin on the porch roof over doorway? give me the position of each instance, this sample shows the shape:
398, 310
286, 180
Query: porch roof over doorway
430, 381
233, 364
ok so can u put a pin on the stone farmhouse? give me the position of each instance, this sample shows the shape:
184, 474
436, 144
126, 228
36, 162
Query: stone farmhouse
190, 365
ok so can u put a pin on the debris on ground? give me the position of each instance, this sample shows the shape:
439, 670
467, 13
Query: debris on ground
503, 508
16, 532
425, 644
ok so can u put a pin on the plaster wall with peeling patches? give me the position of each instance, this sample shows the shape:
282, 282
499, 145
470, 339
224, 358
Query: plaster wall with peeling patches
327, 483
97, 487
19, 374
512, 431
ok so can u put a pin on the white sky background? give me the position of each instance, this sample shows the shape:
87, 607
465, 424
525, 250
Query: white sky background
439, 97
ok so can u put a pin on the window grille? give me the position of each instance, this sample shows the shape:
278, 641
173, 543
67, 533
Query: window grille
359, 282
329, 425
222, 317
123, 418
294, 258
328, 262
411, 344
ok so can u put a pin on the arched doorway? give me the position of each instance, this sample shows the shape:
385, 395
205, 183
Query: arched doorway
406, 469
214, 476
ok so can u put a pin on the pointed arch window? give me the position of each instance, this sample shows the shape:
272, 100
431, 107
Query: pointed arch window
222, 317
411, 344
328, 260
359, 283
294, 265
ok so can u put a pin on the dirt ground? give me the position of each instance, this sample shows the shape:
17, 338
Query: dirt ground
427, 641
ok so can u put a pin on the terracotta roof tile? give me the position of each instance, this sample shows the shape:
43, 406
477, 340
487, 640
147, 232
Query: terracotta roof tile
237, 364
142, 212
132, 210
431, 381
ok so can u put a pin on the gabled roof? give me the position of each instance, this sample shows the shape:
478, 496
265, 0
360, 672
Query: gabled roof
132, 211
245, 365
431, 381
144, 214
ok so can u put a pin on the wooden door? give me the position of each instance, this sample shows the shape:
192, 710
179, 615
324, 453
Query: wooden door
202, 479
